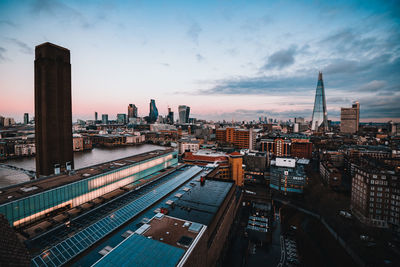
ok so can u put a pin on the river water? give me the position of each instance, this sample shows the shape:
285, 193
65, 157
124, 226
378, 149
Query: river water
81, 159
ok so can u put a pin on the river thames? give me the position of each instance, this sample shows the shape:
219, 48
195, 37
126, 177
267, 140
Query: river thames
81, 160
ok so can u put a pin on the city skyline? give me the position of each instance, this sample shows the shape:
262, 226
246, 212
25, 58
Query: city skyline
234, 61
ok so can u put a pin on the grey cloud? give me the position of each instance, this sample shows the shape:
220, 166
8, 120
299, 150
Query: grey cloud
2, 52
280, 59
193, 32
165, 64
260, 85
23, 47
373, 86
59, 10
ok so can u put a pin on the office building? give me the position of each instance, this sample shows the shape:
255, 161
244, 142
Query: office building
320, 114
170, 116
239, 138
53, 114
104, 118
7, 122
153, 114
184, 112
375, 193
290, 145
330, 174
288, 175
95, 116
350, 119
26, 118
132, 111
121, 118
2, 121
228, 166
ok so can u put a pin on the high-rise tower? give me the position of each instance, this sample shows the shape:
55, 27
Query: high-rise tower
320, 114
53, 114
153, 114
132, 111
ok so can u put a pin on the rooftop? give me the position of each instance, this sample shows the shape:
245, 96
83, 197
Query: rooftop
18, 191
138, 250
201, 202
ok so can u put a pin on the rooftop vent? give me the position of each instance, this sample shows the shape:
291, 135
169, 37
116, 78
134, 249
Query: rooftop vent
105, 250
186, 189
127, 233
178, 195
195, 227
159, 216
142, 229
185, 241
169, 202
27, 189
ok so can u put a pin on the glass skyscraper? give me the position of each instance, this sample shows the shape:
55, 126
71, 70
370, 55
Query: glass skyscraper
320, 114
153, 115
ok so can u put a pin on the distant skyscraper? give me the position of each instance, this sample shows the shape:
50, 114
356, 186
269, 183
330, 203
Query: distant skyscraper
53, 114
170, 117
26, 118
95, 115
350, 119
320, 114
132, 111
104, 118
121, 118
153, 114
184, 112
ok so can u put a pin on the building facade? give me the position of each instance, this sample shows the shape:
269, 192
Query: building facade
288, 175
375, 193
26, 118
53, 114
132, 111
184, 112
350, 119
26, 203
239, 138
153, 114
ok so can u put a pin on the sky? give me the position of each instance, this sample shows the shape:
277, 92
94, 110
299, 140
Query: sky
232, 60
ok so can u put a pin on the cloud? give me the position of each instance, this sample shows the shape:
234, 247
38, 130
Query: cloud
199, 57
8, 23
165, 64
281, 59
59, 10
193, 32
23, 47
373, 86
260, 85
2, 52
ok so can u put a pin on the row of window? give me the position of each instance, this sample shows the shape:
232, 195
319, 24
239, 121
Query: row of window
35, 206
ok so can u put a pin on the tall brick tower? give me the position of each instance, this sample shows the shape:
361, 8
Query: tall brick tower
53, 112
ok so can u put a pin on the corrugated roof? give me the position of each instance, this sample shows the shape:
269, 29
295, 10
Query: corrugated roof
139, 250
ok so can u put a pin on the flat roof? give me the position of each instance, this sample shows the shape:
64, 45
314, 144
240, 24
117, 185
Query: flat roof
138, 250
14, 192
170, 230
201, 202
